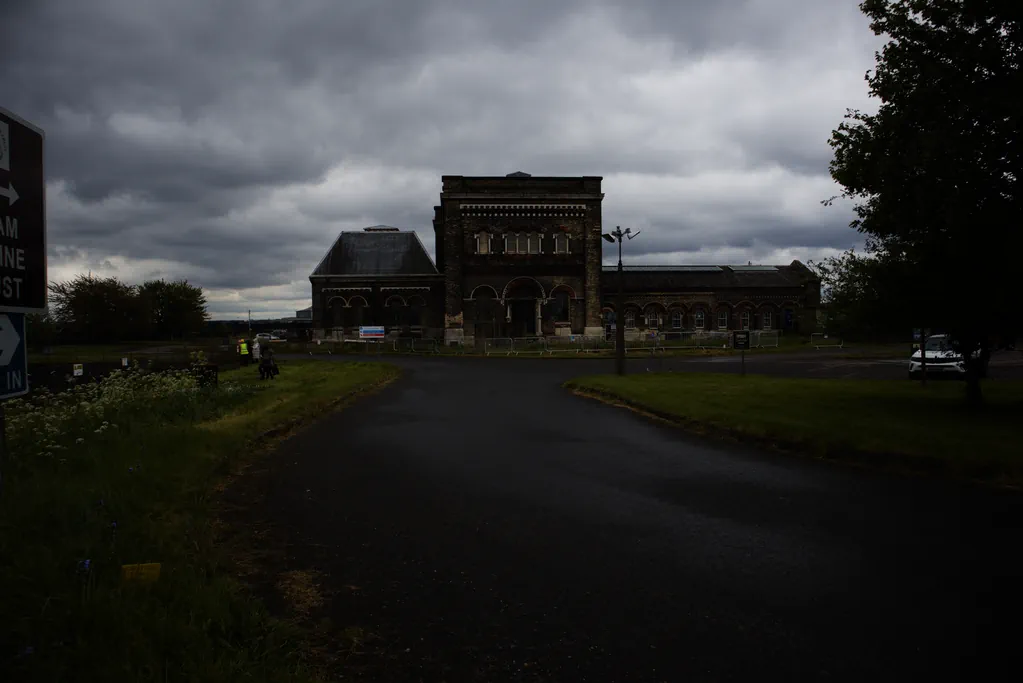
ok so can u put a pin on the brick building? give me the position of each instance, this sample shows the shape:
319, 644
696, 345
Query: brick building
520, 256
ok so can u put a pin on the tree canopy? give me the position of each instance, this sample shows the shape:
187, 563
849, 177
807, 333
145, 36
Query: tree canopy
97, 310
935, 172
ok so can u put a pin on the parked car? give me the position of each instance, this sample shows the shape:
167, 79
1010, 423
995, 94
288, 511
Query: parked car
942, 359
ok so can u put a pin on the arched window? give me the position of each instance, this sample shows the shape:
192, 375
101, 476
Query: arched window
723, 320
745, 320
560, 309
630, 320
416, 306
766, 320
698, 320
483, 242
395, 311
561, 243
676, 319
359, 311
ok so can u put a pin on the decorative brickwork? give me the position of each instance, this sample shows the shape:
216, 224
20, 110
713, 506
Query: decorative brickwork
520, 255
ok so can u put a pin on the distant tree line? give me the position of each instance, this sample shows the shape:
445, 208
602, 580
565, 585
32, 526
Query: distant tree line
91, 310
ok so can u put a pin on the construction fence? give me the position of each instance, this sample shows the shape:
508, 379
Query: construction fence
548, 345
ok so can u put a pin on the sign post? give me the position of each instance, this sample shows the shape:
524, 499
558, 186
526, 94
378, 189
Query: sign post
740, 340
23, 282
13, 370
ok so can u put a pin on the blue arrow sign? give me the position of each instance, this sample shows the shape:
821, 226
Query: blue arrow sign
13, 358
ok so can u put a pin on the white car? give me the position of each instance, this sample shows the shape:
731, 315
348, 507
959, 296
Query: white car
942, 359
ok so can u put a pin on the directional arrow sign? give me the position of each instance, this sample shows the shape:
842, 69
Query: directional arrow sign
13, 359
22, 216
10, 193
10, 338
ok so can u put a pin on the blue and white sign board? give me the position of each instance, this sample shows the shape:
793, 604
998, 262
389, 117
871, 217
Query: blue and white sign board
371, 332
13, 358
22, 216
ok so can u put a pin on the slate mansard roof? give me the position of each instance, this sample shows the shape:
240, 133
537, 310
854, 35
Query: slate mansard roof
653, 278
380, 250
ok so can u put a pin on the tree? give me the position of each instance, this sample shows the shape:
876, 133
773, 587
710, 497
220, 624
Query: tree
853, 293
97, 310
41, 330
103, 310
936, 171
176, 309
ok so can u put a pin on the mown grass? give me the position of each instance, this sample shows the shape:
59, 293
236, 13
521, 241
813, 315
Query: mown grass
877, 422
72, 512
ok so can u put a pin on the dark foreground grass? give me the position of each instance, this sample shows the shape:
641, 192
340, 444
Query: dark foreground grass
138, 494
882, 423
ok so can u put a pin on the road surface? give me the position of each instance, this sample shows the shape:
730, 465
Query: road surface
486, 525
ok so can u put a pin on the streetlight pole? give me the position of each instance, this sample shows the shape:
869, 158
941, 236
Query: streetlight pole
616, 236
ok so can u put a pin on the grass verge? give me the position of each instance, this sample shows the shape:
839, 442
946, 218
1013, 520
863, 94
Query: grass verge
138, 490
881, 423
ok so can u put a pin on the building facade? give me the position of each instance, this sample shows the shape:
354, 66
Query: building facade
520, 256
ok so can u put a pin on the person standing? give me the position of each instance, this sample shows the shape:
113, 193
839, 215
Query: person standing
267, 366
243, 352
255, 351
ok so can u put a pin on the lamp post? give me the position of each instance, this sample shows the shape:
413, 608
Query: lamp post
612, 237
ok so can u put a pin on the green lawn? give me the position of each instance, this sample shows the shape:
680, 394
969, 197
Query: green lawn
885, 423
125, 474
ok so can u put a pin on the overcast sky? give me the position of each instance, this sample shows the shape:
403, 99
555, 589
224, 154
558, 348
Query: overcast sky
229, 141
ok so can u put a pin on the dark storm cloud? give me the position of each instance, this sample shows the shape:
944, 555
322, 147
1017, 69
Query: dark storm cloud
230, 141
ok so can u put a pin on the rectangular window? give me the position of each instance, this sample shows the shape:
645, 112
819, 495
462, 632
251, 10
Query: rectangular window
651, 321
561, 243
745, 320
522, 243
482, 242
767, 320
722, 320
533, 242
676, 320
630, 320
698, 320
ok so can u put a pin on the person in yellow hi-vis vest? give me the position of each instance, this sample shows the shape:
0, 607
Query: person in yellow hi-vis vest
243, 351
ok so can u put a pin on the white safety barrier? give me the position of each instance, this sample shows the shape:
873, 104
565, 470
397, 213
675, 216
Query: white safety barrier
498, 345
677, 340
693, 339
366, 345
765, 339
576, 343
421, 345
528, 345
821, 340
402, 344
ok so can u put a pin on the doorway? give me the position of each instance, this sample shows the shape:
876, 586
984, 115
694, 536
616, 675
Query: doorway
523, 317
523, 300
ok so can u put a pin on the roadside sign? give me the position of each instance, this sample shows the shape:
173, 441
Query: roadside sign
77, 370
371, 332
13, 359
22, 216
740, 341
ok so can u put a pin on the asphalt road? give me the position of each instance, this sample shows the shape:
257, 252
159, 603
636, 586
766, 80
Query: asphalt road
487, 525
